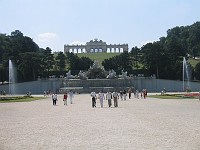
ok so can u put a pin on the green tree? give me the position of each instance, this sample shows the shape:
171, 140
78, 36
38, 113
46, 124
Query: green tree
194, 39
3, 74
48, 59
136, 56
76, 63
173, 45
61, 61
85, 63
119, 62
30, 65
4, 46
197, 71
153, 57
73, 61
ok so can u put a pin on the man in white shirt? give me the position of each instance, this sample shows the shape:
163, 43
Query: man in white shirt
54, 98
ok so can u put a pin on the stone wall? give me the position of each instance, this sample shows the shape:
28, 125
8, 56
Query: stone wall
86, 86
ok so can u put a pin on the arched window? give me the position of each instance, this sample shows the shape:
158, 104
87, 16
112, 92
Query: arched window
108, 50
117, 50
121, 50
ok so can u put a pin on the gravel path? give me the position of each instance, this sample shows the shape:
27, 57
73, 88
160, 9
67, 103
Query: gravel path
137, 124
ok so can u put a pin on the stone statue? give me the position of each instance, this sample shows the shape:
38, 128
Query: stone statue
96, 71
82, 75
124, 74
112, 74
68, 75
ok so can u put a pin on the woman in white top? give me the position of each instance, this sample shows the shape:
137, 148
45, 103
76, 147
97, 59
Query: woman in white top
71, 95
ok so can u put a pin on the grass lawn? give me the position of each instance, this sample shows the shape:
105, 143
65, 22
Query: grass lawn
98, 56
173, 96
193, 62
10, 99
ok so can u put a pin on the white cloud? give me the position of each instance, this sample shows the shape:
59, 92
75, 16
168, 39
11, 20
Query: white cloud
47, 37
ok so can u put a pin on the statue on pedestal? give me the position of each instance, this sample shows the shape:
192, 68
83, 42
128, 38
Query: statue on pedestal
82, 75
96, 71
123, 75
111, 75
68, 75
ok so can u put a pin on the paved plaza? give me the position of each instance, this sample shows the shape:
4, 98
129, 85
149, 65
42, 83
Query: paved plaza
137, 124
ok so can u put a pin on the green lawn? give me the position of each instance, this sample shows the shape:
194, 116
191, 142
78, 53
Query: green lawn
98, 56
10, 99
193, 62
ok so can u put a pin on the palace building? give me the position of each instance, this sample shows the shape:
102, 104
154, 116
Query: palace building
96, 46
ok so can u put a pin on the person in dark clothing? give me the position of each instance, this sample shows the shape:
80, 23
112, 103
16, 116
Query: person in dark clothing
94, 97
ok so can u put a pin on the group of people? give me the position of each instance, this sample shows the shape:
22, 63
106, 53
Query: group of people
68, 95
142, 94
115, 96
108, 96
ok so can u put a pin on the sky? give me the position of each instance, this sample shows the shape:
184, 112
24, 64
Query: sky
54, 23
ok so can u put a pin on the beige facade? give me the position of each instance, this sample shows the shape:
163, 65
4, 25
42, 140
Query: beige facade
95, 46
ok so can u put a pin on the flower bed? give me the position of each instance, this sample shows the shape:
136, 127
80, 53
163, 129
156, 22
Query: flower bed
191, 95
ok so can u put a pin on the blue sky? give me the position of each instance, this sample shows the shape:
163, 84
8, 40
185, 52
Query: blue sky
54, 23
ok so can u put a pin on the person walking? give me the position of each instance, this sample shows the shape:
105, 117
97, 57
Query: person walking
54, 98
121, 95
71, 95
101, 98
124, 94
129, 93
144, 93
109, 97
94, 97
65, 98
115, 98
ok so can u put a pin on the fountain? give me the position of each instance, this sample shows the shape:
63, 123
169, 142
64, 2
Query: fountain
185, 75
11, 78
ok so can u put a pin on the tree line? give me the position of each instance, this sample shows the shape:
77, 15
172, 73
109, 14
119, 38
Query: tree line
31, 61
163, 57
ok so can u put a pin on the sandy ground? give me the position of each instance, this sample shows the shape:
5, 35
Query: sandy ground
137, 124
